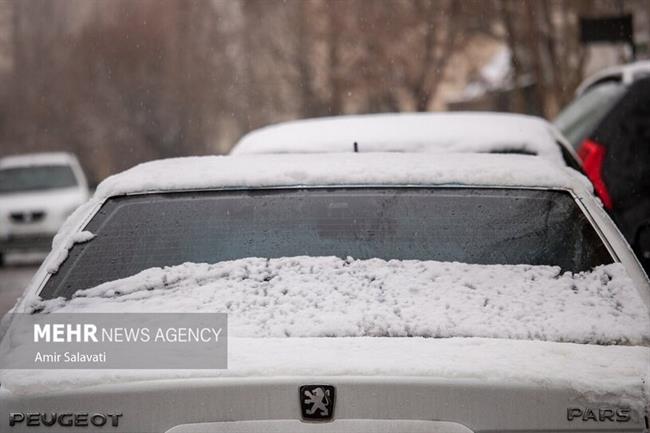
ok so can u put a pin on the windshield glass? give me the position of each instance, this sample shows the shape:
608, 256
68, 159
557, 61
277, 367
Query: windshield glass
35, 178
469, 225
579, 118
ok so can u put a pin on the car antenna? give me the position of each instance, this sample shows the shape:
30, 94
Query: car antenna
356, 147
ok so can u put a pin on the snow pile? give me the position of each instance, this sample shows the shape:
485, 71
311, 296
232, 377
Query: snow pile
408, 132
62, 245
333, 297
496, 72
495, 75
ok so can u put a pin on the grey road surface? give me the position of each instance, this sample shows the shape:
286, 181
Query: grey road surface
12, 282
14, 277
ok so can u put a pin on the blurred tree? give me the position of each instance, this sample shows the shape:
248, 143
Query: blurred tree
122, 82
543, 39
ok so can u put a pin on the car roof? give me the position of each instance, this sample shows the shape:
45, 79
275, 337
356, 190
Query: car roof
341, 169
461, 132
626, 74
35, 159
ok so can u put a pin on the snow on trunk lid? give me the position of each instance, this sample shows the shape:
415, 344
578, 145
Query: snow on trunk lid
334, 297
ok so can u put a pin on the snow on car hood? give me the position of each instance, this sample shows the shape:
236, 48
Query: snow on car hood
334, 297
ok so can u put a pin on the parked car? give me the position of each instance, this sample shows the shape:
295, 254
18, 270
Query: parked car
37, 193
608, 124
374, 291
414, 132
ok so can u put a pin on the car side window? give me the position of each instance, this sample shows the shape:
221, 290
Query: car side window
581, 117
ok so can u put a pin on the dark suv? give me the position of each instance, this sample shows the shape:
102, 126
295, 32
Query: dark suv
609, 125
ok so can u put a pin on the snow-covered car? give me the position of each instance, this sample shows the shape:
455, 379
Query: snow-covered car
37, 193
389, 292
462, 132
608, 123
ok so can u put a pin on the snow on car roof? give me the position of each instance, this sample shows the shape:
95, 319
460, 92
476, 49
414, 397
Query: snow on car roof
287, 170
34, 159
626, 73
408, 132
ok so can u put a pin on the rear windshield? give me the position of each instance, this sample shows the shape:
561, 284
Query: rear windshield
480, 226
579, 119
35, 178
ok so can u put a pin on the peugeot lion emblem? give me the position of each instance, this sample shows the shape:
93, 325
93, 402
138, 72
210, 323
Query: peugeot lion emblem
317, 402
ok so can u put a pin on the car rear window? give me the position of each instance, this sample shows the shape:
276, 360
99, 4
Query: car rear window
35, 178
469, 225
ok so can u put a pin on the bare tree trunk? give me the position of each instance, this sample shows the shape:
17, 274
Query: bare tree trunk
334, 59
508, 20
437, 53
309, 105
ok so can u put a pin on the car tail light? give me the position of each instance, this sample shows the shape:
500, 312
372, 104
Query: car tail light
593, 156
